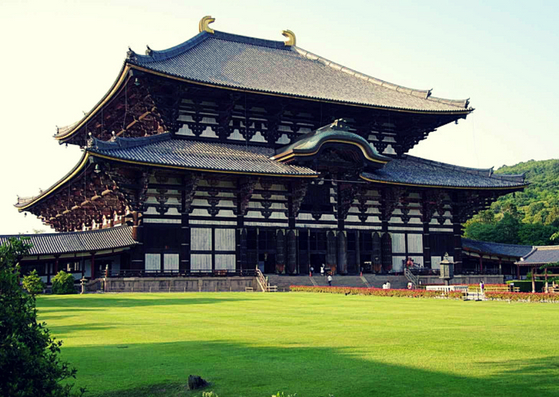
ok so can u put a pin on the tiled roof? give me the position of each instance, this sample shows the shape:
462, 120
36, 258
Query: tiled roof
64, 243
416, 171
498, 249
540, 256
164, 150
235, 61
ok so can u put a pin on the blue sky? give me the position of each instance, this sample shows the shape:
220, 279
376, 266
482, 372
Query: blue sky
60, 57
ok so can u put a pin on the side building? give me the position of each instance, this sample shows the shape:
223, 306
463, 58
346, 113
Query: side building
227, 153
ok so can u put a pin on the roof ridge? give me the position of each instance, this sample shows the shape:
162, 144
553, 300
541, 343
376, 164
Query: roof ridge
161, 55
471, 170
492, 242
423, 94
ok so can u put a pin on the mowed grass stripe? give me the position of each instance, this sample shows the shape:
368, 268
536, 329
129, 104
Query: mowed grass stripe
250, 344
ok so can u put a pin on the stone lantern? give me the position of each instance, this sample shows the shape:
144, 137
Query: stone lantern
447, 269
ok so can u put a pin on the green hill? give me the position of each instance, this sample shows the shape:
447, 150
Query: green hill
530, 217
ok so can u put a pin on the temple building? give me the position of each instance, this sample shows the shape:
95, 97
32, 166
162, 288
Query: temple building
226, 153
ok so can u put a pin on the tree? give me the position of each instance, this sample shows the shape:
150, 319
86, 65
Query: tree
33, 283
29, 363
63, 283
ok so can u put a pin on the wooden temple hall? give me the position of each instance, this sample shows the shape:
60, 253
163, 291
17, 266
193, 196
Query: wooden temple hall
228, 152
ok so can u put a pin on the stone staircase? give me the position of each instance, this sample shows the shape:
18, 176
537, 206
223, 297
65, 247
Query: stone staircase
366, 281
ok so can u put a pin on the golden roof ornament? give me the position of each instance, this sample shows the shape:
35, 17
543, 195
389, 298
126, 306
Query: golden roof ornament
291, 40
204, 25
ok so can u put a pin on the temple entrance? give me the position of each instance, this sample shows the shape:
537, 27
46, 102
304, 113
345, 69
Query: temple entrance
269, 262
318, 260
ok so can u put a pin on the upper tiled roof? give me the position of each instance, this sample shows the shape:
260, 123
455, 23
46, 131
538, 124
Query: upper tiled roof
416, 171
164, 150
540, 256
89, 241
498, 249
267, 66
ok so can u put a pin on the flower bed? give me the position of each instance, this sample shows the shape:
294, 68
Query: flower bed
522, 296
400, 293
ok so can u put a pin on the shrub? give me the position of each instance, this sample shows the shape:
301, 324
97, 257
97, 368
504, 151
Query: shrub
400, 293
33, 283
526, 285
29, 362
63, 283
522, 296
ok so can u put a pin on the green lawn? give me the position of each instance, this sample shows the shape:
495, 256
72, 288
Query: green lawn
253, 344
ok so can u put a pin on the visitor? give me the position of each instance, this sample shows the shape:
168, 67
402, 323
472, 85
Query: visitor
410, 285
384, 286
312, 271
322, 270
330, 280
481, 287
388, 285
409, 263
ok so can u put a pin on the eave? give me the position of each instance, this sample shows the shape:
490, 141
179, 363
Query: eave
125, 75
510, 189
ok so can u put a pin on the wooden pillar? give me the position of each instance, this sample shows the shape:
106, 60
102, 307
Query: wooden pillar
93, 265
291, 252
56, 264
533, 280
500, 266
342, 253
518, 272
480, 264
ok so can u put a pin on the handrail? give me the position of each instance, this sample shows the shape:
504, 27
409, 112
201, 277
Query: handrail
261, 280
411, 277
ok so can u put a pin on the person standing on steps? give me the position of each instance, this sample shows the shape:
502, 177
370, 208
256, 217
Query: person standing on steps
322, 270
330, 280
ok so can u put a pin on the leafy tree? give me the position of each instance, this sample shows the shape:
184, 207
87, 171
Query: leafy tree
536, 209
33, 283
29, 363
63, 283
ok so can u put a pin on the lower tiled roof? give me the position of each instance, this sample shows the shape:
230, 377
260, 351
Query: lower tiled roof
421, 172
498, 249
72, 242
164, 150
540, 256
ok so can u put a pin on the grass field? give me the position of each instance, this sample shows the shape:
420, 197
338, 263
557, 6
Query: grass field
249, 344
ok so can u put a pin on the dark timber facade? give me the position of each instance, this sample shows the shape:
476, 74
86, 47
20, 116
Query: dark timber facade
228, 152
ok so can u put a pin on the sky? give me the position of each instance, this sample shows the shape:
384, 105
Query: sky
58, 58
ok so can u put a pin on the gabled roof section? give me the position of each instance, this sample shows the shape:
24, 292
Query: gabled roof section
496, 249
337, 133
415, 171
165, 151
541, 255
73, 242
266, 66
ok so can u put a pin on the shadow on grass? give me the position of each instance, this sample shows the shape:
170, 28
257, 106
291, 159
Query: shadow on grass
241, 370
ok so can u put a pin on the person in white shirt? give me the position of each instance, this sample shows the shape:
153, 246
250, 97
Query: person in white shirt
388, 285
330, 280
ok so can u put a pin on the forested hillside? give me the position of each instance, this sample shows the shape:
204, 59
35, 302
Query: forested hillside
530, 217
